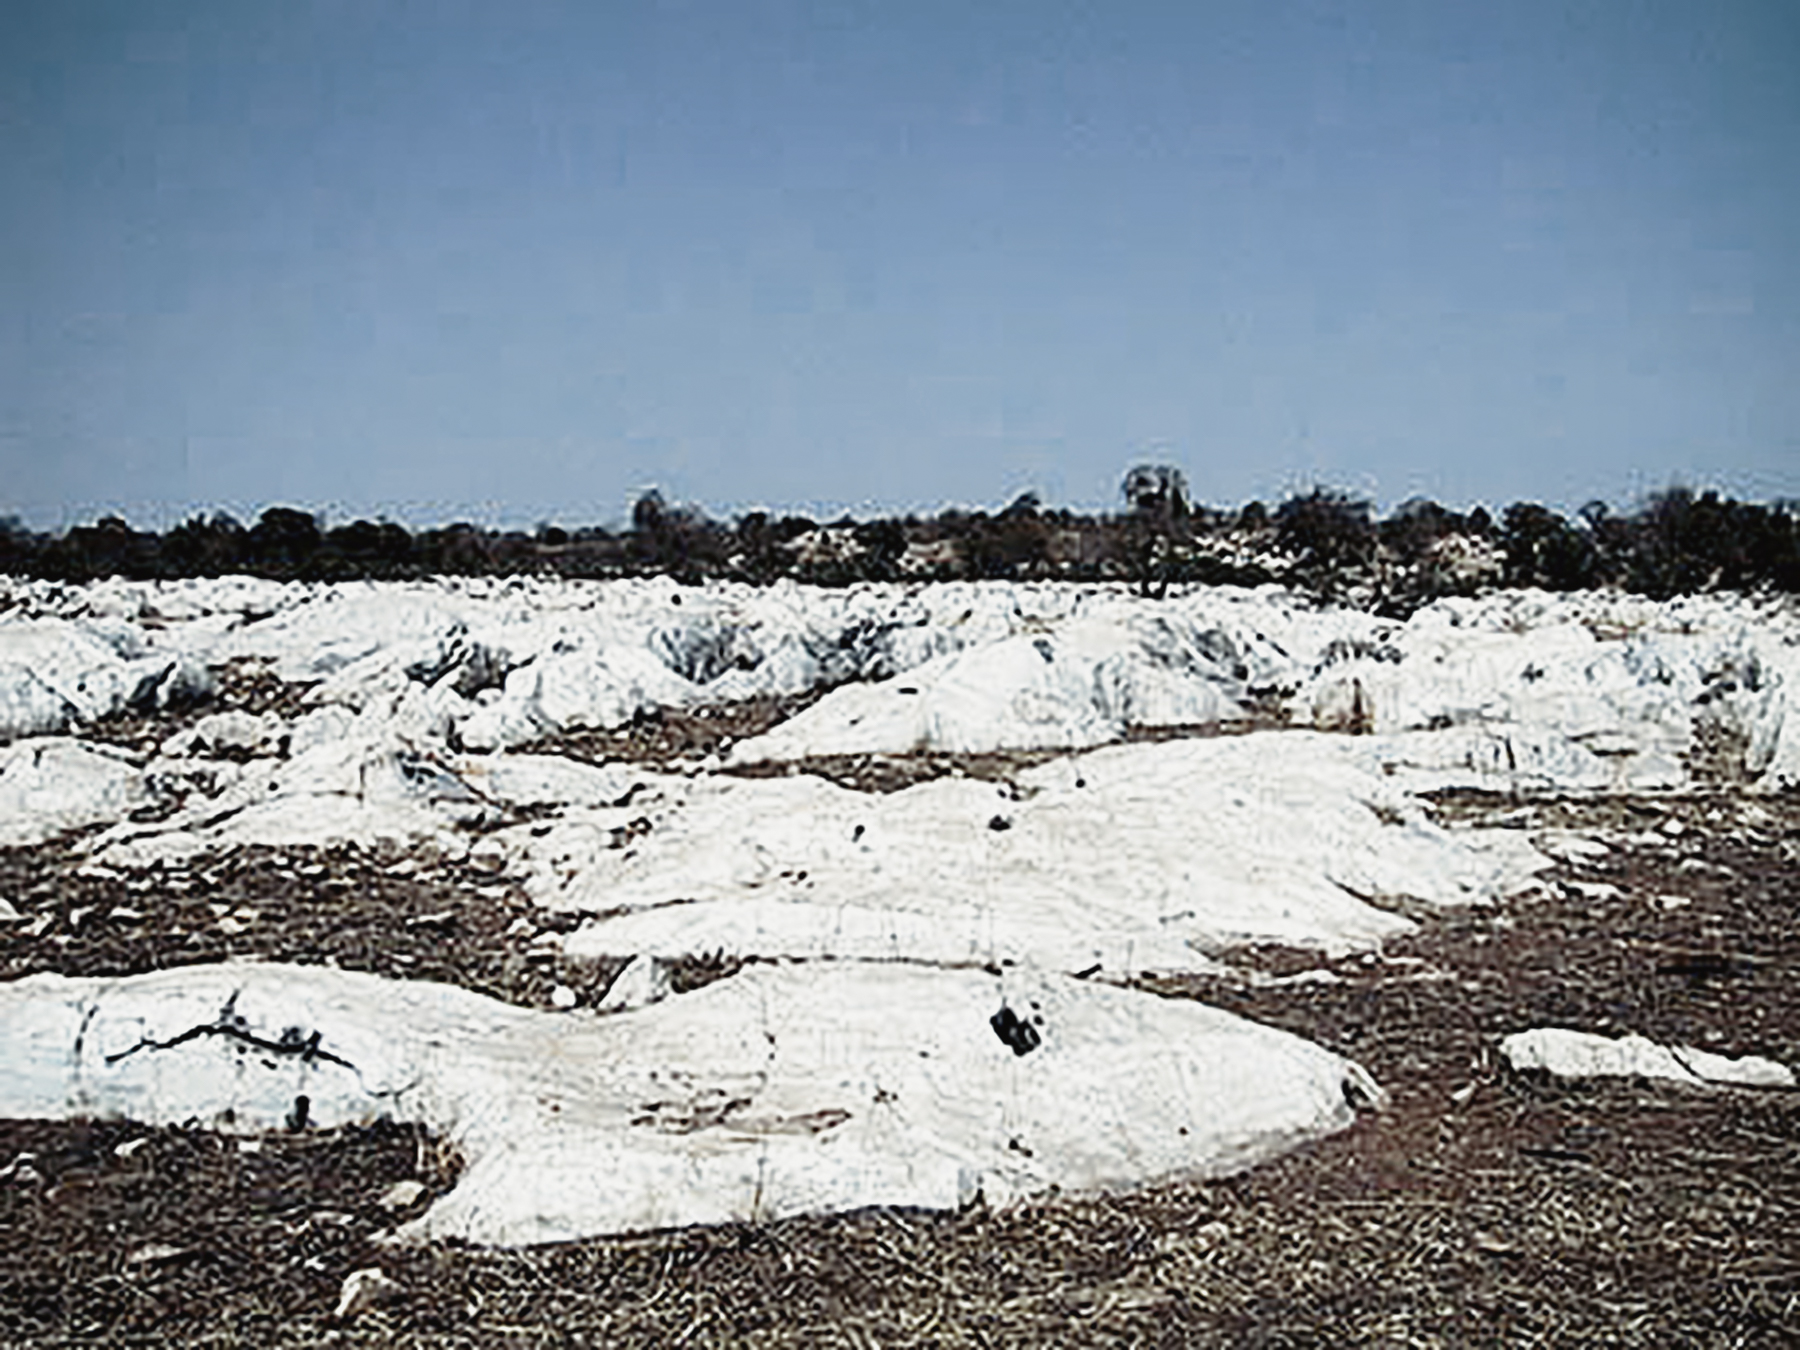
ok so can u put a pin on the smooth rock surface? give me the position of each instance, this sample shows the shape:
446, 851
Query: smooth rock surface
1130, 858
784, 1089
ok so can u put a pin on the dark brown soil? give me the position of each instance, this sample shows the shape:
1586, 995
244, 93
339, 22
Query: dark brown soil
668, 735
128, 1236
663, 735
1482, 1207
244, 685
891, 773
381, 910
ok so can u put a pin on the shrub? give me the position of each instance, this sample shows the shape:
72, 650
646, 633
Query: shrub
1330, 535
1543, 549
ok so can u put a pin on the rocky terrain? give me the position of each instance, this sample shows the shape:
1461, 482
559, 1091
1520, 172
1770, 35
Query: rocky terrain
1395, 843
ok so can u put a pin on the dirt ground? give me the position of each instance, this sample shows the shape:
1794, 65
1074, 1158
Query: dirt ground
1482, 1207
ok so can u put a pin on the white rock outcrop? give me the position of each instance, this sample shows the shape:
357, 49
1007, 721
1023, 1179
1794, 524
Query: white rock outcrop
1125, 859
1517, 690
1581, 1054
49, 784
782, 1090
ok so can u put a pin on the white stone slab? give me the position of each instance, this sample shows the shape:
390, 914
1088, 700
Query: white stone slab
1579, 1054
49, 784
783, 1090
1129, 858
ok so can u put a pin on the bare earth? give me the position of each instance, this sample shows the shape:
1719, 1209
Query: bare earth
1482, 1208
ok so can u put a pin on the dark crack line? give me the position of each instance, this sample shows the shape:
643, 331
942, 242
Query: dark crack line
87, 1020
1710, 1081
231, 1025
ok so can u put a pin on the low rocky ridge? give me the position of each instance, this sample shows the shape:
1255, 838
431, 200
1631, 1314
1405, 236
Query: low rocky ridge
1611, 687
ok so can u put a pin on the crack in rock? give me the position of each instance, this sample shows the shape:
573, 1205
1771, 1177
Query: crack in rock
232, 1025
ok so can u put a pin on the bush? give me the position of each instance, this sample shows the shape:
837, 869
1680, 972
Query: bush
206, 547
107, 548
1543, 549
282, 542
1331, 536
1677, 542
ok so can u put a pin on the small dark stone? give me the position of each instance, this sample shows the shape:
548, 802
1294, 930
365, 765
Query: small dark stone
1015, 1032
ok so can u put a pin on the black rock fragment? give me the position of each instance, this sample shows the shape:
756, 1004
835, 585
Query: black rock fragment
1015, 1031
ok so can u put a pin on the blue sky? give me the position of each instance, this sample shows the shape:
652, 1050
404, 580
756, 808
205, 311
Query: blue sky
514, 262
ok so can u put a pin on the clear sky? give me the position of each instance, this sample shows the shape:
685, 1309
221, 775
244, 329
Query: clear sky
513, 260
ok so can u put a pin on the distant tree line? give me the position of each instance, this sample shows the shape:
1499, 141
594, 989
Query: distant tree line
1327, 541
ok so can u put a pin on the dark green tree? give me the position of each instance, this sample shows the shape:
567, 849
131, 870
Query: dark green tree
1156, 495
